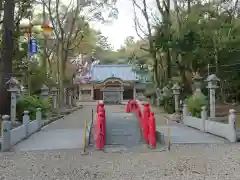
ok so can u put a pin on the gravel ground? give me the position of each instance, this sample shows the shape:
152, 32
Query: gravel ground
195, 162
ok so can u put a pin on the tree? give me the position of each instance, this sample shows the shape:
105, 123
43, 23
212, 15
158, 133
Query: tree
70, 30
6, 54
190, 38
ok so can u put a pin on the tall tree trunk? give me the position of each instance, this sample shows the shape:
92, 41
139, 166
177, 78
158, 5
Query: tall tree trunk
61, 74
169, 65
7, 55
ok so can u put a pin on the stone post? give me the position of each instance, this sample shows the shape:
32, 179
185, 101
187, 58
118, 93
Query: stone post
203, 117
232, 125
176, 92
6, 133
212, 86
26, 121
44, 92
54, 97
13, 89
185, 110
39, 118
69, 96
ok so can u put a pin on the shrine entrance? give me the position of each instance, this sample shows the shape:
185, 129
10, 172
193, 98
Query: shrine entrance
112, 90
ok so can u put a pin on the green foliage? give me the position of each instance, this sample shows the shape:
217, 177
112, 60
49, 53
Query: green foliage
196, 102
31, 103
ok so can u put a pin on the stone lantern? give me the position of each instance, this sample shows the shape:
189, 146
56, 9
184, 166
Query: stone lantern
13, 88
212, 86
44, 92
197, 81
54, 91
176, 92
166, 92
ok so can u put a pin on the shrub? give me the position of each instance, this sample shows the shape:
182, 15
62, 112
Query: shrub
31, 103
196, 102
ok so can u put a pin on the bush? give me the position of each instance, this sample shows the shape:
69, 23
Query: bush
195, 103
31, 103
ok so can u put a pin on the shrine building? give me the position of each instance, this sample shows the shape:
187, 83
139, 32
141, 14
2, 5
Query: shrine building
112, 83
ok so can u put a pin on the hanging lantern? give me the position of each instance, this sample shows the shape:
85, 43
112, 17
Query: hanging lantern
47, 29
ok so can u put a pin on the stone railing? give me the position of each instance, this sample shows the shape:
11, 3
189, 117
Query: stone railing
11, 136
205, 124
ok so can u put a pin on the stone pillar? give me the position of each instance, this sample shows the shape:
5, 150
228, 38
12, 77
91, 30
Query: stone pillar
13, 89
134, 92
212, 86
44, 92
185, 110
26, 120
176, 92
6, 134
69, 96
54, 97
39, 118
203, 117
232, 125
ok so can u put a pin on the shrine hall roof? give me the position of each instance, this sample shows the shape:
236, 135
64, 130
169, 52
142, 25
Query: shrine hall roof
124, 72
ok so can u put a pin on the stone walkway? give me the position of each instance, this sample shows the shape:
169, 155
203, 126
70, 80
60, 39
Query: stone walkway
181, 134
122, 129
65, 133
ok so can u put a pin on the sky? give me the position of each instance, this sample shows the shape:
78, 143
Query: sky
122, 27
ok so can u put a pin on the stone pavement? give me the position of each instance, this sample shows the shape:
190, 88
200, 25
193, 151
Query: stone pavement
65, 133
181, 134
122, 129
